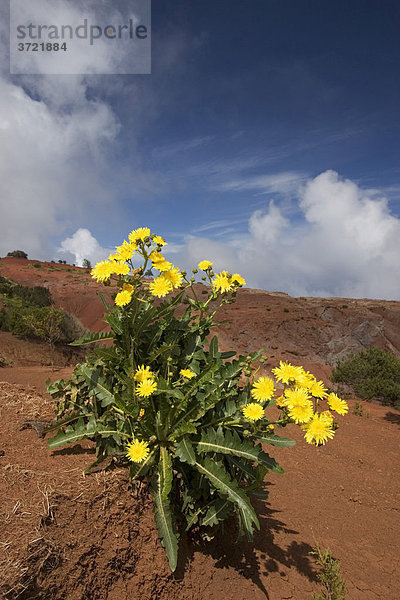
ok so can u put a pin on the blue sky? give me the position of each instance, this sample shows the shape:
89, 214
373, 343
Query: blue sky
265, 139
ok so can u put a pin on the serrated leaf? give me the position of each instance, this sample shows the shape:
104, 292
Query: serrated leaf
97, 385
276, 440
91, 338
220, 479
114, 322
227, 442
165, 524
69, 436
185, 452
217, 512
165, 472
267, 461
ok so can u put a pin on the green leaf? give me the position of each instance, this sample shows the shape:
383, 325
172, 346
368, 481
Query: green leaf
213, 350
217, 512
91, 338
165, 472
228, 442
275, 440
96, 384
114, 320
138, 470
184, 451
228, 354
220, 479
69, 436
104, 301
165, 524
267, 461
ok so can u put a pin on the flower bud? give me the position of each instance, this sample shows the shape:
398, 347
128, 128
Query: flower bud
194, 271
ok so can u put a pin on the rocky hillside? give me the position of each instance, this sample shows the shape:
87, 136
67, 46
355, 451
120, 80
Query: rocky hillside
304, 330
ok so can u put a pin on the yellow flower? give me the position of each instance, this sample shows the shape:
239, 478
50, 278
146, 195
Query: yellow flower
286, 372
174, 276
137, 451
127, 287
102, 270
222, 282
337, 404
123, 298
141, 413
263, 389
159, 262
121, 268
253, 411
327, 417
304, 379
157, 239
205, 264
301, 413
236, 278
139, 234
143, 374
160, 287
125, 251
187, 373
146, 388
318, 390
318, 430
296, 397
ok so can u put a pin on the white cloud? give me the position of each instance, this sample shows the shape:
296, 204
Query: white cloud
82, 245
345, 243
283, 183
49, 161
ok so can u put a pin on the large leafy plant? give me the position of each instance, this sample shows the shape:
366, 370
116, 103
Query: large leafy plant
165, 401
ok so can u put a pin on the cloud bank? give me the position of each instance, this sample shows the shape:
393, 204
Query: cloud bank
342, 242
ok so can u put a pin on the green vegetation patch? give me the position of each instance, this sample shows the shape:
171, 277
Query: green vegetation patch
374, 374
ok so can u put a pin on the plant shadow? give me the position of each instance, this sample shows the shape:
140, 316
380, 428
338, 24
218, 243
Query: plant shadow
75, 449
393, 418
254, 560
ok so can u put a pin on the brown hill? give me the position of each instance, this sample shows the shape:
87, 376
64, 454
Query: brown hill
304, 330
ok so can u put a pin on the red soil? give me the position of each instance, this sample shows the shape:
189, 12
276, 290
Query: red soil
65, 536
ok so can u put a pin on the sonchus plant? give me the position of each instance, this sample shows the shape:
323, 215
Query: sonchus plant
165, 401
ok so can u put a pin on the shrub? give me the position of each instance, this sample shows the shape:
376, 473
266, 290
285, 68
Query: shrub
87, 264
71, 328
36, 296
167, 403
18, 254
373, 374
4, 321
5, 362
329, 578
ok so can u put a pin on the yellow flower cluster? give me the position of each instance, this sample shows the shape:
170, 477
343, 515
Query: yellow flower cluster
146, 386
297, 401
224, 282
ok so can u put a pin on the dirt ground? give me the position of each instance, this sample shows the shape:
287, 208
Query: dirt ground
71, 537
